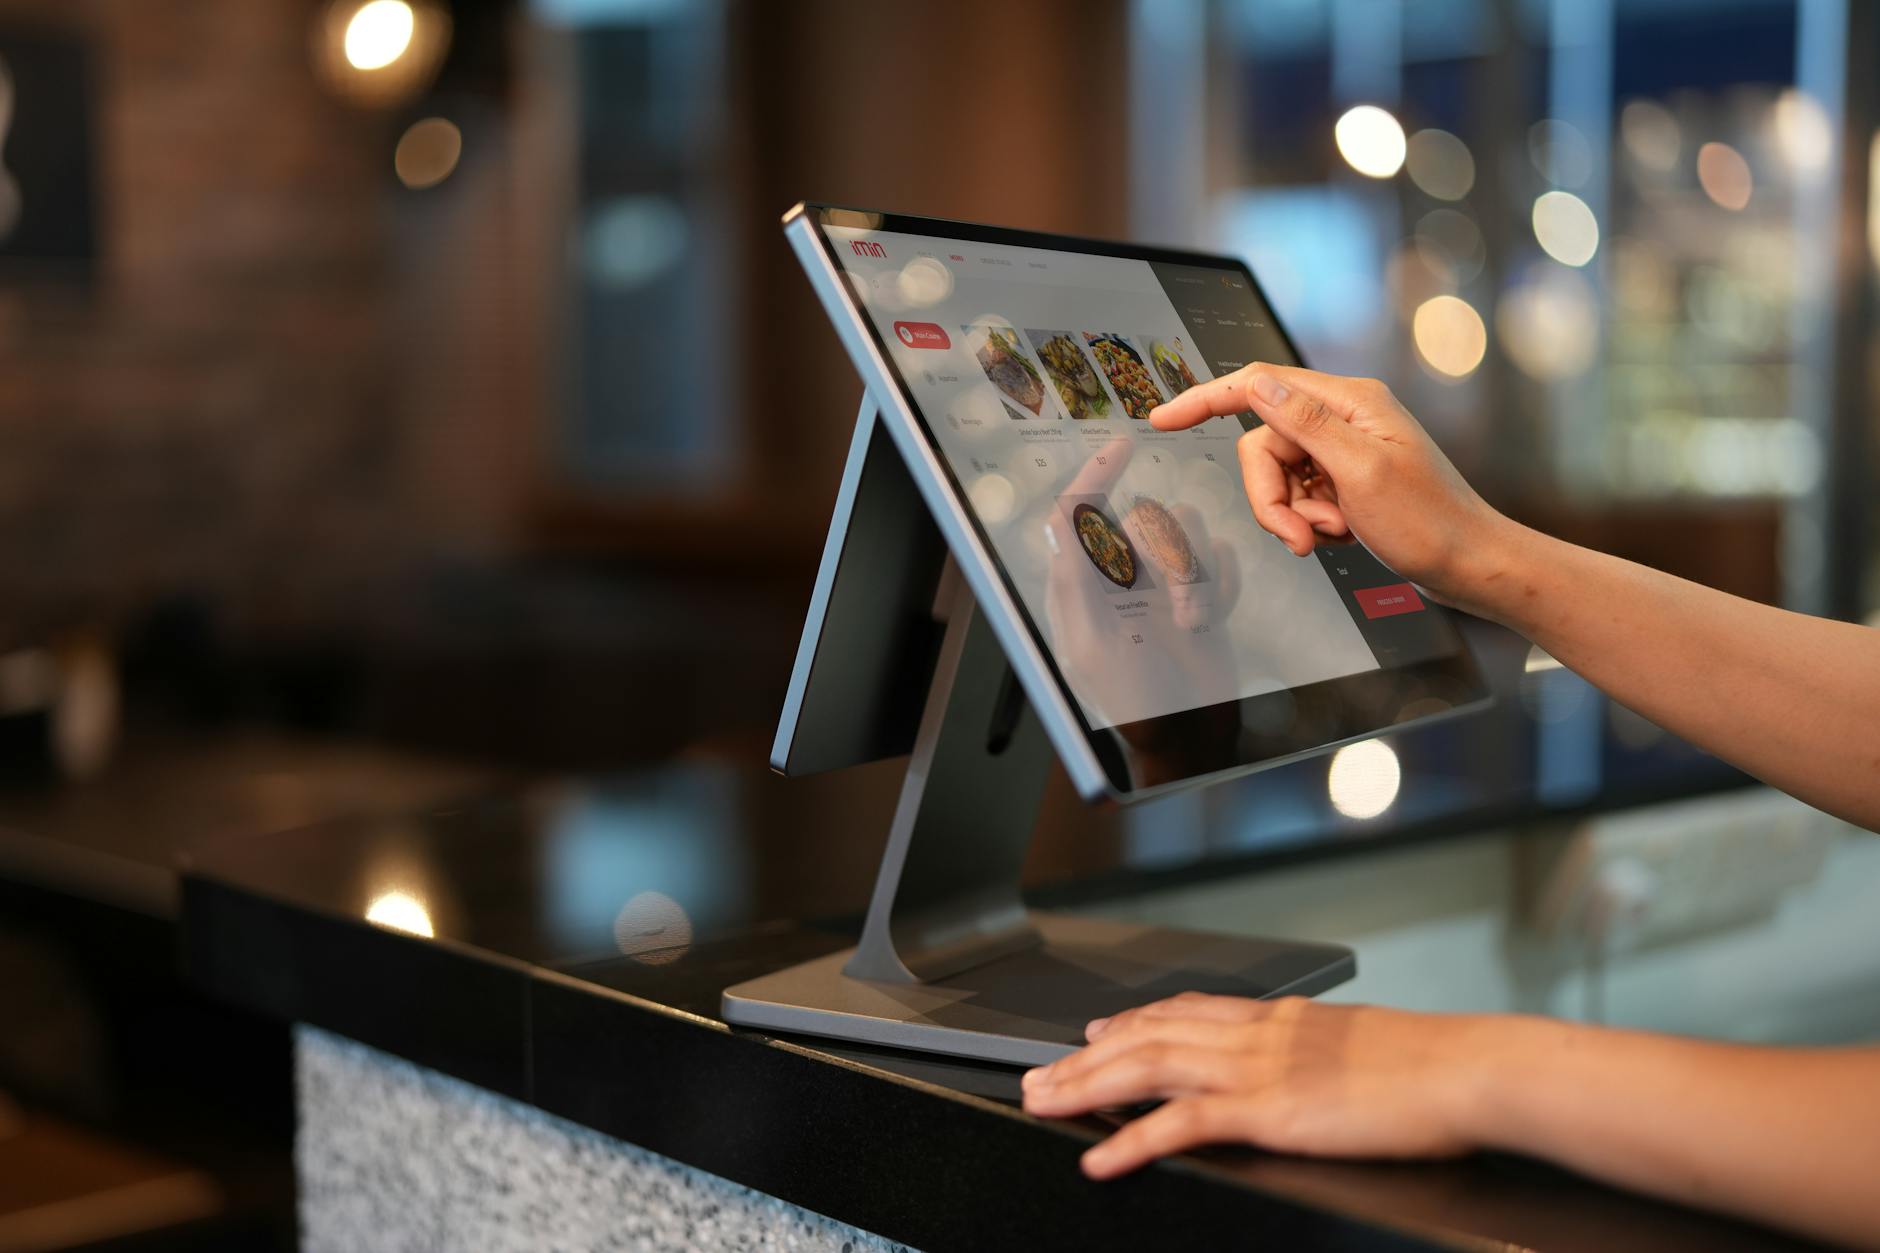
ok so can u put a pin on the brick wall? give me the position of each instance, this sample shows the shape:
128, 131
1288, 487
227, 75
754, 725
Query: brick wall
237, 404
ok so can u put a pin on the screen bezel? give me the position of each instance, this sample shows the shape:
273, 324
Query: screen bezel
1344, 699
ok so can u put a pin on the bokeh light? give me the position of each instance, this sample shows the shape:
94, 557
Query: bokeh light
994, 497
653, 929
1371, 141
1363, 779
379, 33
1450, 336
1873, 199
427, 153
632, 240
924, 282
1565, 228
1548, 322
1803, 132
1645, 283
381, 53
1651, 135
400, 911
1440, 164
1539, 659
1724, 175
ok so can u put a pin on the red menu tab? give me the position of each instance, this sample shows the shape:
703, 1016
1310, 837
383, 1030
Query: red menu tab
922, 335
1386, 602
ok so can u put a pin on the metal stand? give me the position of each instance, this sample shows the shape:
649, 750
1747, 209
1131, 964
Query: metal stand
949, 960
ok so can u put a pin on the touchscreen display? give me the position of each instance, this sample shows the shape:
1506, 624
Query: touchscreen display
1133, 550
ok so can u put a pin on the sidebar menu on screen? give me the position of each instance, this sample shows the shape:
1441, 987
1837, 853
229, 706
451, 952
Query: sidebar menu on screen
1231, 327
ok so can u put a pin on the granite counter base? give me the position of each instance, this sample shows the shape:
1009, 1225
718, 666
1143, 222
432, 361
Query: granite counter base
391, 1156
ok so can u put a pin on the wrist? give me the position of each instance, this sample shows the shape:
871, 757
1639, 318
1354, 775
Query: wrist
1491, 574
1505, 1060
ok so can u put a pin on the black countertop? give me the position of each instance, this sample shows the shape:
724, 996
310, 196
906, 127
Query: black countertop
578, 940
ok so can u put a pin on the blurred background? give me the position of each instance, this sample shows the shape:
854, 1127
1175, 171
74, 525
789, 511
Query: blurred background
399, 397
431, 374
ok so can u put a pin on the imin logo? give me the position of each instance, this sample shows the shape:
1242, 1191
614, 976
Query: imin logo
866, 248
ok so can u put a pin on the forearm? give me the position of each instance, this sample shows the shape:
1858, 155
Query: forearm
1789, 1137
1792, 699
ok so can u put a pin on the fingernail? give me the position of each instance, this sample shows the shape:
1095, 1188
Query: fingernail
1269, 389
1096, 1027
1094, 1161
1037, 1078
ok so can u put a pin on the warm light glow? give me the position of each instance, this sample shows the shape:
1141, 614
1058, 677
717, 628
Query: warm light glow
1449, 335
380, 53
1371, 140
1873, 200
1566, 228
1724, 175
1803, 131
427, 153
400, 911
1549, 323
1651, 135
1440, 164
1363, 779
379, 33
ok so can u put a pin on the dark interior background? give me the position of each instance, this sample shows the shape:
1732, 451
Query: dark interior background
521, 455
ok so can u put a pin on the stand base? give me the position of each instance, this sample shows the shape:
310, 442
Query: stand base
1030, 1008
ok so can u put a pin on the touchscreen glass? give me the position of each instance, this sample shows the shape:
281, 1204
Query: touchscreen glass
1133, 550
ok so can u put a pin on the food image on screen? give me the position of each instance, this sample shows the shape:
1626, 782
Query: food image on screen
1160, 534
1077, 384
1006, 364
1167, 355
1126, 372
1105, 544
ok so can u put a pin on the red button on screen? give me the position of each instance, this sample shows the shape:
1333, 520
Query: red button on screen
1385, 602
922, 335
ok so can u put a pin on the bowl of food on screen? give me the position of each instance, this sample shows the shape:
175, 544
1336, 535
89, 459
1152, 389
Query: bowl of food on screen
1004, 360
1105, 544
1135, 387
1171, 365
1071, 374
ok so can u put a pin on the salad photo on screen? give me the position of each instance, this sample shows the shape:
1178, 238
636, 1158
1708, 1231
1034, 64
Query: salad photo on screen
1071, 374
1124, 367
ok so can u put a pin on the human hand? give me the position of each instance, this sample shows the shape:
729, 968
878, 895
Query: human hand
1080, 609
1291, 1075
1338, 457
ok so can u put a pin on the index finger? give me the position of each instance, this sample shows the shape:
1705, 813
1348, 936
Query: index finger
1213, 399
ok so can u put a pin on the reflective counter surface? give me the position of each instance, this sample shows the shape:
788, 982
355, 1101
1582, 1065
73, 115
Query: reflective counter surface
566, 946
